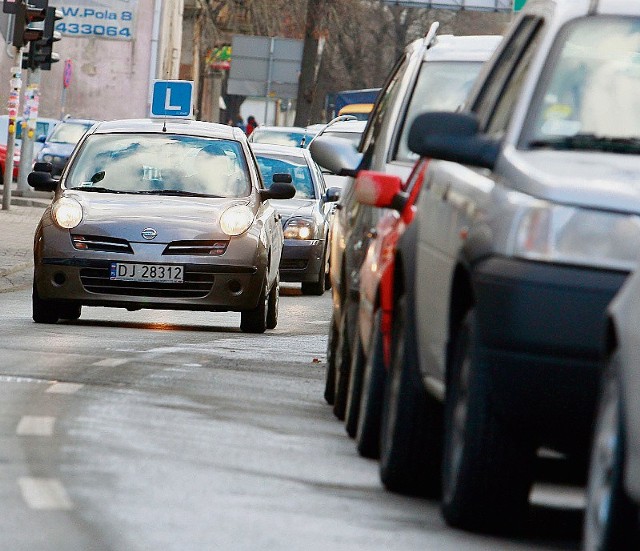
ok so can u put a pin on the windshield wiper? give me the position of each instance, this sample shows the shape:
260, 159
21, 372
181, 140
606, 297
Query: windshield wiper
590, 142
176, 192
97, 189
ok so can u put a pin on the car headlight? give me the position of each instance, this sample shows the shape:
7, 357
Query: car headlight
299, 228
236, 220
570, 235
67, 213
47, 158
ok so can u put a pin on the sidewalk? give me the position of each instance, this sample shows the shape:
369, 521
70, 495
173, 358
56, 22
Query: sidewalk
17, 226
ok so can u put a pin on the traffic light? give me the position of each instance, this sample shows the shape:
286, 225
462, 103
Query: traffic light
25, 16
41, 52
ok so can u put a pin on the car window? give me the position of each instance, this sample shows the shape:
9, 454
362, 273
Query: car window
296, 166
588, 96
502, 69
440, 86
155, 163
69, 133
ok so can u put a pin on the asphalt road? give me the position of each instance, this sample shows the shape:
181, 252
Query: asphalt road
175, 431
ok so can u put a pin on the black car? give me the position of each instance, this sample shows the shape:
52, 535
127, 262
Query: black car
58, 146
305, 218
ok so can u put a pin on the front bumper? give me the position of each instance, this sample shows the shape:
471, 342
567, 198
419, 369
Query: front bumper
302, 260
541, 330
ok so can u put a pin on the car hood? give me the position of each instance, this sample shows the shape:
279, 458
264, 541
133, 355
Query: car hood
288, 208
173, 218
605, 181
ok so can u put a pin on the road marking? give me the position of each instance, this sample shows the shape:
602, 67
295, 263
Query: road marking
64, 388
552, 495
45, 494
34, 425
166, 350
12, 379
318, 322
110, 362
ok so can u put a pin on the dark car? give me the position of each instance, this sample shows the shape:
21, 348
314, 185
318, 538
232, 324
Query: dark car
305, 217
60, 143
160, 215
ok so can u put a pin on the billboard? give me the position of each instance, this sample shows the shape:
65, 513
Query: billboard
477, 5
113, 19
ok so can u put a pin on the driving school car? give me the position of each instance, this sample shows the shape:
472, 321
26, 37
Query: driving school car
159, 215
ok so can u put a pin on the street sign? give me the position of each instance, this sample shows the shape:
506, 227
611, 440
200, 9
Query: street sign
66, 74
172, 99
518, 4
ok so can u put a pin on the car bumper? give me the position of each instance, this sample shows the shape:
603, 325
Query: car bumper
302, 260
541, 329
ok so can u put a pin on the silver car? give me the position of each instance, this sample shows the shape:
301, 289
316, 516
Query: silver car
159, 215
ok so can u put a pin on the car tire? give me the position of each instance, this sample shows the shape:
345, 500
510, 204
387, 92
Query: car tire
373, 382
330, 380
315, 287
355, 385
71, 312
43, 311
487, 467
255, 320
343, 366
411, 430
610, 516
273, 304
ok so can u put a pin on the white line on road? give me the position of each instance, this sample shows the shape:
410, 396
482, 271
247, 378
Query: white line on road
110, 362
64, 388
35, 425
44, 493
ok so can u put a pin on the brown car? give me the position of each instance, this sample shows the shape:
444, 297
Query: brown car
169, 215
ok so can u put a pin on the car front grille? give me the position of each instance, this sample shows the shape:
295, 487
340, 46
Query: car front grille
196, 247
197, 284
101, 243
293, 264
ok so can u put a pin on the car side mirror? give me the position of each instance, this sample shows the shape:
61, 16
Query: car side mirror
42, 181
43, 167
336, 154
41, 139
282, 178
332, 194
278, 190
379, 190
453, 137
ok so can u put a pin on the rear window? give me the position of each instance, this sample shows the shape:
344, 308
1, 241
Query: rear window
441, 86
69, 133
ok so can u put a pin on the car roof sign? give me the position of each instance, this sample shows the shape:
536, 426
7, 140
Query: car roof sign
172, 99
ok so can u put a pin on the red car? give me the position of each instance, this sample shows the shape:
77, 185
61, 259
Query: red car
372, 355
3, 158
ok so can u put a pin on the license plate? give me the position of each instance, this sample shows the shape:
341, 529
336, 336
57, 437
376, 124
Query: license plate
157, 273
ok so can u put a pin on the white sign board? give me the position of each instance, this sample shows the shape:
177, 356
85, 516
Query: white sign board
477, 5
113, 19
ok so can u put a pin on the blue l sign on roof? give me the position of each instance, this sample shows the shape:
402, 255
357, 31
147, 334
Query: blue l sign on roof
172, 99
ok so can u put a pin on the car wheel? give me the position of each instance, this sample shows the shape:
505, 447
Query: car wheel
255, 320
411, 433
273, 304
43, 311
316, 287
487, 468
343, 365
70, 312
355, 385
610, 516
330, 381
369, 417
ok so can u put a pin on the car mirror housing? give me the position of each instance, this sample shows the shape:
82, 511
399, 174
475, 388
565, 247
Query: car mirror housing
282, 178
41, 138
279, 190
332, 194
336, 154
42, 181
43, 167
379, 189
453, 137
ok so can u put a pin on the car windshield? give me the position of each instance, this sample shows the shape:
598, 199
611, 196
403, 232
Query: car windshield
69, 132
277, 137
589, 97
441, 86
155, 163
296, 166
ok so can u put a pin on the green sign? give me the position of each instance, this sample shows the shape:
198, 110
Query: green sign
518, 4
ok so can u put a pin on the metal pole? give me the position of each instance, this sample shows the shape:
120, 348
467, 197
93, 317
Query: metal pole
269, 78
14, 104
31, 101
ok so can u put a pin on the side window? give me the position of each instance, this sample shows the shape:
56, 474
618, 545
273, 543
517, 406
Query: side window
504, 67
385, 100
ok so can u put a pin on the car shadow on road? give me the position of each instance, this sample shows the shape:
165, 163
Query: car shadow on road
157, 326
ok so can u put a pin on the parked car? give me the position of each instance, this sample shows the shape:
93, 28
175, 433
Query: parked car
155, 214
58, 146
305, 217
613, 491
445, 63
292, 136
526, 227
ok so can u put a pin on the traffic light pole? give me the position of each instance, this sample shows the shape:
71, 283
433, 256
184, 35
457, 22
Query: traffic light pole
14, 104
29, 122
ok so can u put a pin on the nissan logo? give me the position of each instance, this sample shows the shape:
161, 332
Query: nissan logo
149, 233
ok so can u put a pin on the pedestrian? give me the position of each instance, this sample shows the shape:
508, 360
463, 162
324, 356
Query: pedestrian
240, 123
252, 124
